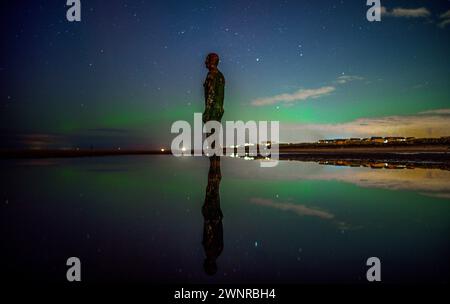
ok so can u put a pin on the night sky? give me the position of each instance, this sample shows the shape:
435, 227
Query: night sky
129, 69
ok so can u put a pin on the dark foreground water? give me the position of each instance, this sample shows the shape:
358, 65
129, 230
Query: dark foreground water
140, 219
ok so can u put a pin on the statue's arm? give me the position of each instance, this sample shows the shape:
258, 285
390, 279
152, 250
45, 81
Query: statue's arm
210, 90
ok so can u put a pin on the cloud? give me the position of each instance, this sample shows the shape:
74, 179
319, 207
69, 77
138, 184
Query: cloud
444, 23
433, 123
436, 112
445, 19
347, 78
420, 12
37, 140
304, 94
446, 15
109, 130
288, 98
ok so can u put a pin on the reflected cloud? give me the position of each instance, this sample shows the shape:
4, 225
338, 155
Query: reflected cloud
437, 195
299, 209
427, 182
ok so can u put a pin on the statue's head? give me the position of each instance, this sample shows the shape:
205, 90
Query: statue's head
212, 61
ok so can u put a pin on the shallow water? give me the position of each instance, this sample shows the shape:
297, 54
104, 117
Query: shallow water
139, 219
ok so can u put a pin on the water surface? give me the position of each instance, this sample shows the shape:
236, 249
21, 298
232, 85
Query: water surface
140, 219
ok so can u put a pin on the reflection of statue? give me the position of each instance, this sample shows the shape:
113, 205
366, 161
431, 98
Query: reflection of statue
212, 215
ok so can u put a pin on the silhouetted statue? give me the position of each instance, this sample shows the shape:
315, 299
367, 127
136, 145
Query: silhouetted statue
212, 215
214, 90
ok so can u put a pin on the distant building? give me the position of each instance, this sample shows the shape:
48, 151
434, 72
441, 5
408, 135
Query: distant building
377, 139
394, 139
377, 165
267, 144
325, 141
353, 140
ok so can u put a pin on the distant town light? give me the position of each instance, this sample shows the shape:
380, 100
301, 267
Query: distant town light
162, 149
183, 149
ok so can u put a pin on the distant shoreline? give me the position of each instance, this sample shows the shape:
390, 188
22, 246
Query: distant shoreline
55, 153
392, 151
429, 160
431, 157
377, 149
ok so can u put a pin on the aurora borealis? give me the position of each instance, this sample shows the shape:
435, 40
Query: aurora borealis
129, 69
